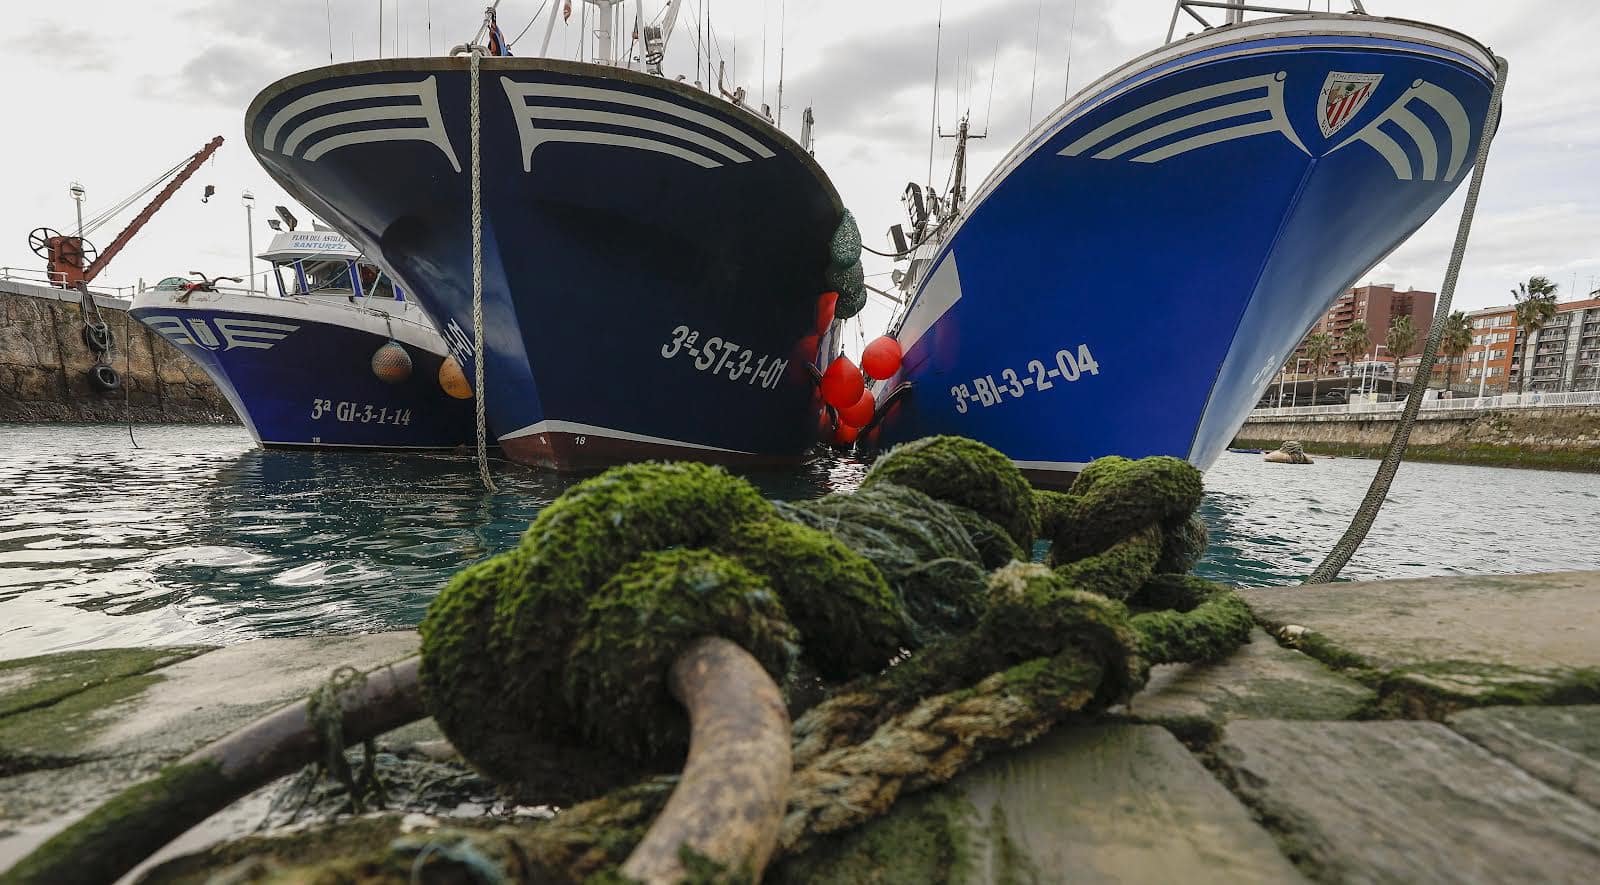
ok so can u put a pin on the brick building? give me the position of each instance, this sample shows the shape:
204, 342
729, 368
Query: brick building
1378, 306
1495, 333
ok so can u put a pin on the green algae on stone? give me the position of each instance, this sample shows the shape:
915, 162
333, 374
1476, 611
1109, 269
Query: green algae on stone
134, 821
61, 733
1437, 689
577, 543
1114, 497
916, 542
1195, 620
965, 473
849, 619
28, 683
636, 625
927, 839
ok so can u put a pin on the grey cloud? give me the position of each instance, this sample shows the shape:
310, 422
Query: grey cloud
67, 48
871, 86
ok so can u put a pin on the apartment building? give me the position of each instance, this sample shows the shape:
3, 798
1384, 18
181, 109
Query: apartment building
1378, 306
1491, 357
1564, 355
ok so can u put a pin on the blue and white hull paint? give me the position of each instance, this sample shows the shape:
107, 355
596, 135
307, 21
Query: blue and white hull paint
298, 370
652, 256
1132, 275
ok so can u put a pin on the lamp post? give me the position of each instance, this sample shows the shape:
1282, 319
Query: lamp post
1294, 396
77, 192
249, 200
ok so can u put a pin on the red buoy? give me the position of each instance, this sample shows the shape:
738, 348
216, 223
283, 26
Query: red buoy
881, 358
860, 414
842, 383
845, 435
825, 305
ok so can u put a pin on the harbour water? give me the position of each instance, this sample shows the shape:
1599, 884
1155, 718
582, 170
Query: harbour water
198, 537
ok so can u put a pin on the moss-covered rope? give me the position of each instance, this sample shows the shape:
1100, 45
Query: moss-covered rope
935, 642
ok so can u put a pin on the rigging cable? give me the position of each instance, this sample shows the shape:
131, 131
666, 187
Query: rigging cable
524, 28
1340, 555
933, 126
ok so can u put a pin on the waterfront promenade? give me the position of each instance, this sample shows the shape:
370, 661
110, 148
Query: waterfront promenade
1547, 430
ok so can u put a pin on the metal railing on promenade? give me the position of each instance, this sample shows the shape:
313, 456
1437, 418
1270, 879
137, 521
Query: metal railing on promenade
49, 278
1457, 404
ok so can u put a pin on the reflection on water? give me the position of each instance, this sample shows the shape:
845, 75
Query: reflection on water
198, 537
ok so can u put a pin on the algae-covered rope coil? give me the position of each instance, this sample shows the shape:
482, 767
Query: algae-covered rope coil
927, 659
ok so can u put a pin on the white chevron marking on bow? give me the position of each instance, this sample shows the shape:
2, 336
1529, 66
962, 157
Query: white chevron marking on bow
1447, 106
1134, 135
426, 110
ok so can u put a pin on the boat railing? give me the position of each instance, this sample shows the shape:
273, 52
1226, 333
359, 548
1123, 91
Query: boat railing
1529, 400
1234, 12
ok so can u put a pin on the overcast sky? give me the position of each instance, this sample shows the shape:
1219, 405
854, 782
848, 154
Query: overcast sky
111, 93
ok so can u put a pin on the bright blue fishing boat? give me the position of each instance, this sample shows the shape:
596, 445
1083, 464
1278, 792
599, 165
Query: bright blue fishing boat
1132, 275
654, 256
337, 358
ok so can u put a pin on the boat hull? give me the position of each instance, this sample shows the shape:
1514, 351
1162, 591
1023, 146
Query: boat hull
299, 373
1134, 274
652, 258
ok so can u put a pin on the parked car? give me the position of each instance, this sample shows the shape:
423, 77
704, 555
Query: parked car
1336, 396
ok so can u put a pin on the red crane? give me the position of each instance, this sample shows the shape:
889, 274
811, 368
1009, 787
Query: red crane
72, 260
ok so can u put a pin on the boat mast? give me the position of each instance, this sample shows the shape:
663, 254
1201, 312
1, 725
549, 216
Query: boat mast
783, 18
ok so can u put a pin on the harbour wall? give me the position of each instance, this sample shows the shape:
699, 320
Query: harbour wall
1551, 437
45, 365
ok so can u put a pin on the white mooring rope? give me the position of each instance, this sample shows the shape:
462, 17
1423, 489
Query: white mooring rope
1340, 555
478, 392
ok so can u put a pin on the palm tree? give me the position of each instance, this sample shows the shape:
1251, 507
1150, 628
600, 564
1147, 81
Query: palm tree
1536, 307
1318, 347
1401, 338
1356, 341
1457, 338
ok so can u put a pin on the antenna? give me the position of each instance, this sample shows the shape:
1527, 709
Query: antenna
1038, 18
1072, 30
380, 28
933, 125
764, 5
993, 61
783, 25
329, 11
430, 27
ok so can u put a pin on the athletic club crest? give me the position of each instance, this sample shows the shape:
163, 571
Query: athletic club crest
1343, 96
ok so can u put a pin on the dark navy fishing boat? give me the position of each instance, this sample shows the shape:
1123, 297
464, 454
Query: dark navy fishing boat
337, 358
654, 256
1131, 276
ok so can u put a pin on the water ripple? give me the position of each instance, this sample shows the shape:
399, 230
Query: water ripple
198, 537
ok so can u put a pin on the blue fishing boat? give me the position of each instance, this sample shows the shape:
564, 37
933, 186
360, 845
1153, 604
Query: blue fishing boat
1134, 272
653, 256
336, 358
